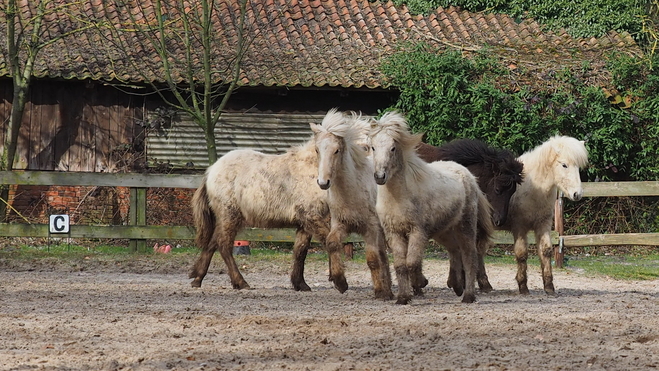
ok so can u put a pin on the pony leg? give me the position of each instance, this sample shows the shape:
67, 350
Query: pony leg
200, 268
416, 245
481, 275
399, 248
225, 232
464, 263
456, 279
334, 246
545, 250
378, 262
300, 249
521, 255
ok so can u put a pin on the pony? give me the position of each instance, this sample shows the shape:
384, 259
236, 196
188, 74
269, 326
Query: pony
552, 166
497, 170
345, 170
249, 188
411, 212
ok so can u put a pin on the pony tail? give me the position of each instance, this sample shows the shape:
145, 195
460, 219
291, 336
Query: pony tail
484, 226
204, 218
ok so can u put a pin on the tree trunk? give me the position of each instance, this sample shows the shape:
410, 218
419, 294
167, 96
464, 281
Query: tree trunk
11, 141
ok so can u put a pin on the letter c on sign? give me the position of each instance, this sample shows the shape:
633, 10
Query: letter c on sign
59, 224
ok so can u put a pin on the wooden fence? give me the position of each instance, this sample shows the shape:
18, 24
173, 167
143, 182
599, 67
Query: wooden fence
138, 232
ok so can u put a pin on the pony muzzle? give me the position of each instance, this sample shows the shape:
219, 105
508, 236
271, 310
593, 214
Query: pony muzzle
576, 196
323, 184
380, 178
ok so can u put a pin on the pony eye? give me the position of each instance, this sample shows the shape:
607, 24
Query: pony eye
393, 149
337, 151
373, 149
564, 166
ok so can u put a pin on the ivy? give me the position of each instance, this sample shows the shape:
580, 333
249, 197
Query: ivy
585, 18
447, 96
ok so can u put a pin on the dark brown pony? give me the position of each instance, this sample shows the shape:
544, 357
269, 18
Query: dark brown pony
498, 171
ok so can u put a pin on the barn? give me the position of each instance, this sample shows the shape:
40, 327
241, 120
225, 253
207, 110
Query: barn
94, 102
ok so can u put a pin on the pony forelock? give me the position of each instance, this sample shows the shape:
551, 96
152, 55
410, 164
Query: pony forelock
571, 149
395, 125
349, 126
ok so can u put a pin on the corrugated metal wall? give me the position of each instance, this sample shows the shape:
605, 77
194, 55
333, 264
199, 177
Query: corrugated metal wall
182, 143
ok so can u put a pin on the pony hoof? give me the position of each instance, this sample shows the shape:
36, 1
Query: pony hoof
486, 288
301, 287
469, 298
341, 284
550, 291
403, 301
418, 291
524, 291
458, 290
384, 295
241, 286
196, 283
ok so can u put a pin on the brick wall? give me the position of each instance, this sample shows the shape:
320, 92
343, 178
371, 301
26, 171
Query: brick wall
98, 205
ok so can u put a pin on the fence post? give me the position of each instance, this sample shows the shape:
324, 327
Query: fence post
558, 226
137, 216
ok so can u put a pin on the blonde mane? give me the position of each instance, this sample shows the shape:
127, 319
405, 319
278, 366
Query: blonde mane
351, 128
395, 125
542, 157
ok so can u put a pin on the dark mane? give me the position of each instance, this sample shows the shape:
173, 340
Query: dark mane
469, 152
497, 170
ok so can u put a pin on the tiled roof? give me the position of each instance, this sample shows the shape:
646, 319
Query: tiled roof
307, 42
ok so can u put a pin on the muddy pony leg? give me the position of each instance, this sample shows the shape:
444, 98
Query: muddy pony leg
200, 268
398, 246
334, 246
300, 249
521, 255
455, 279
378, 262
481, 276
416, 247
545, 252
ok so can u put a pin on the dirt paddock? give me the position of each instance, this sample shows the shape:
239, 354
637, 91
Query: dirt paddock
118, 318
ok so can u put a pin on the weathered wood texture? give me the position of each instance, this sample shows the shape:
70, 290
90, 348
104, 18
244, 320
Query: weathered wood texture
73, 127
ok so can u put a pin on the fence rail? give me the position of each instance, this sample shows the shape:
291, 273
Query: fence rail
138, 232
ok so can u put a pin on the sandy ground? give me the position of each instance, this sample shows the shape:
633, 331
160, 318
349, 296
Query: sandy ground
144, 318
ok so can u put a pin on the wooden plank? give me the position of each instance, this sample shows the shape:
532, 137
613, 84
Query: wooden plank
506, 238
616, 189
188, 233
612, 239
100, 179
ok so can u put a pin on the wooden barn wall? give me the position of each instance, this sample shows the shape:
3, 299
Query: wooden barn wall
73, 126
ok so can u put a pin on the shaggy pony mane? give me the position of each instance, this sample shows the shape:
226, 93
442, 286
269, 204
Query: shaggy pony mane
352, 128
395, 125
571, 150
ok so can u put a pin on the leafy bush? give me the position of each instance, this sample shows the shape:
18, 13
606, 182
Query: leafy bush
447, 96
580, 18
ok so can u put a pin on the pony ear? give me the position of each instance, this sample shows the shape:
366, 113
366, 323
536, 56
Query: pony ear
314, 127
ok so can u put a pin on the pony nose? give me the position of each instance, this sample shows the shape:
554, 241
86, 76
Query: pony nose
576, 196
323, 185
380, 178
498, 220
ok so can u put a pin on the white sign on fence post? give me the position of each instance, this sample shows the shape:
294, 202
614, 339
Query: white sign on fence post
59, 224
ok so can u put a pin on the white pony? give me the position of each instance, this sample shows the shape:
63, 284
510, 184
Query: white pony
551, 166
248, 188
417, 201
347, 173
